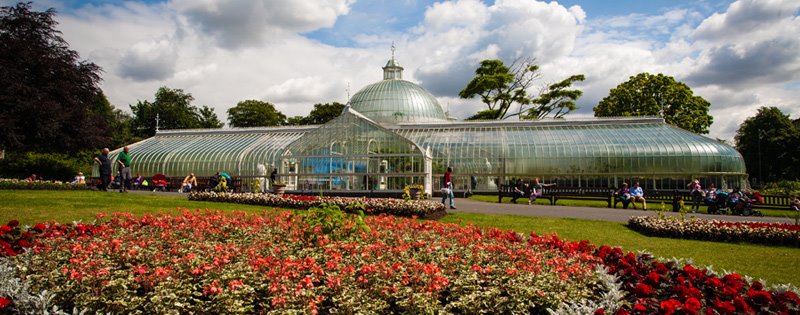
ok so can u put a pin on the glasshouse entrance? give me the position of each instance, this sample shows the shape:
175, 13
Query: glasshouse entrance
354, 153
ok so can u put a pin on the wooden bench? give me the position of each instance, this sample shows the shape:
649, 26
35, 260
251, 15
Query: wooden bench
508, 191
582, 193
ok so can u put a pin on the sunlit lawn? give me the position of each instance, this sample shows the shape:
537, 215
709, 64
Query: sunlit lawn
776, 264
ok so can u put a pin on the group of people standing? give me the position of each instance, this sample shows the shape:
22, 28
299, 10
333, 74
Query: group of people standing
123, 162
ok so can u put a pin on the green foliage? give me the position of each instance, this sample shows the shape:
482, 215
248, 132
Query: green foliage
209, 119
504, 90
50, 166
174, 110
556, 98
321, 114
657, 95
329, 220
784, 187
48, 96
770, 145
253, 113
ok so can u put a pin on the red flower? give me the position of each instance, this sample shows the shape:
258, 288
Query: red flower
692, 306
642, 290
599, 311
4, 302
13, 223
759, 297
724, 307
669, 307
640, 308
653, 278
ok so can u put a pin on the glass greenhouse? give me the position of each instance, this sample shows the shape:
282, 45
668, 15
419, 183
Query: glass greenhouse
394, 133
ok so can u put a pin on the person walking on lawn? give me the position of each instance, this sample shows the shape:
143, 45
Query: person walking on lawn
124, 161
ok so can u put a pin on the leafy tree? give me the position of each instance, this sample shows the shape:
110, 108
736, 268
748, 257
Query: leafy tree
120, 123
557, 98
209, 119
504, 90
48, 96
174, 111
657, 95
321, 114
296, 120
253, 113
770, 145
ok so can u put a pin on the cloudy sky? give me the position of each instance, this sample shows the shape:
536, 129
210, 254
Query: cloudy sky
738, 55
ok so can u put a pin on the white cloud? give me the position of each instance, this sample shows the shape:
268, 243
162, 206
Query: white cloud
224, 52
154, 60
249, 23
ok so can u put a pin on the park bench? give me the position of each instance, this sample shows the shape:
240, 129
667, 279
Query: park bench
508, 191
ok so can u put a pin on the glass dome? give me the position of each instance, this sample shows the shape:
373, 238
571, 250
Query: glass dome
395, 100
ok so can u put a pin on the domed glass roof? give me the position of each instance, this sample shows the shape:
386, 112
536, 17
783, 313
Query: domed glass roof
395, 100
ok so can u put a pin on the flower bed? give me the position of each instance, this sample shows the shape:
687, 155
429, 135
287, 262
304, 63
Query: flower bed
754, 232
215, 263
238, 263
421, 208
16, 184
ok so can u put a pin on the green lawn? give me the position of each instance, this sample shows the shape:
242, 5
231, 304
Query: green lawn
33, 206
776, 264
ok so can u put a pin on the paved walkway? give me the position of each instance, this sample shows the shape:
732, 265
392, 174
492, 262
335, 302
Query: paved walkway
589, 213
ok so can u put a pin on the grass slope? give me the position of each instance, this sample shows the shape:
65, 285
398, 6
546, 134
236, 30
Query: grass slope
775, 264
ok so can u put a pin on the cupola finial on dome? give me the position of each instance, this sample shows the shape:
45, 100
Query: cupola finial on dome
392, 70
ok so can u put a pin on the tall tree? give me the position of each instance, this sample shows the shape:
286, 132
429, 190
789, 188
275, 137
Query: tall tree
657, 95
253, 113
173, 109
321, 114
505, 91
770, 145
209, 119
47, 95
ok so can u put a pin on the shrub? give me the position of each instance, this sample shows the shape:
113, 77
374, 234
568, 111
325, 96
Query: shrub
52, 166
16, 184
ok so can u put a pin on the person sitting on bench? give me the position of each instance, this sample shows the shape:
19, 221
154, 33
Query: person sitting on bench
623, 195
519, 190
637, 194
537, 189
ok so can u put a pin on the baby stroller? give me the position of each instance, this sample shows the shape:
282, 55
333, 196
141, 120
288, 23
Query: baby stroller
720, 204
744, 207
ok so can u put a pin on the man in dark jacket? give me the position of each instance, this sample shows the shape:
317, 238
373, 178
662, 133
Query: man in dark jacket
105, 169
